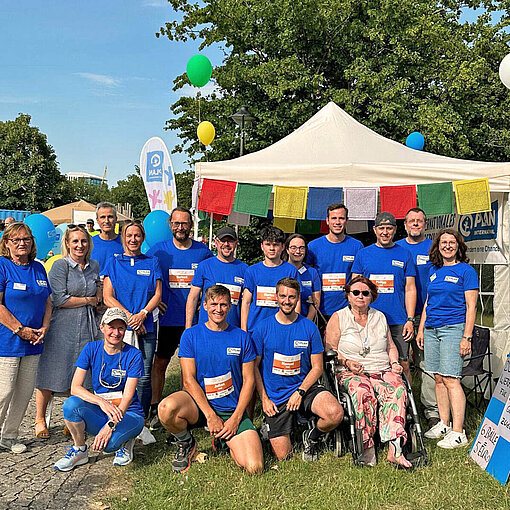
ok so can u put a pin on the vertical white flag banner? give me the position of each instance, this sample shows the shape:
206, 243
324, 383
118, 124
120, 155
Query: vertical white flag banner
158, 175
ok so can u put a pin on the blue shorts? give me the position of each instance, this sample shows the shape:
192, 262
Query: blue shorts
442, 350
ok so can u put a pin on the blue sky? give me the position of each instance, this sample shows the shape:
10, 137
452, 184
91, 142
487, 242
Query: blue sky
93, 77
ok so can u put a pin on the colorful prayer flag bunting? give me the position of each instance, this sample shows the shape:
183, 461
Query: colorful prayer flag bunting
361, 203
319, 199
288, 225
290, 202
472, 196
397, 200
436, 199
253, 199
217, 196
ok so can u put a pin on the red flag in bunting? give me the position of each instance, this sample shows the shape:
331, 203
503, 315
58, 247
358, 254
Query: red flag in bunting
397, 200
324, 227
217, 196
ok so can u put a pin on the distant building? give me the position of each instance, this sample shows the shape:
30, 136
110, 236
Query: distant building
90, 178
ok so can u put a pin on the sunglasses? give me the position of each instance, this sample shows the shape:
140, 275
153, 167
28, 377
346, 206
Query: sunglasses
357, 292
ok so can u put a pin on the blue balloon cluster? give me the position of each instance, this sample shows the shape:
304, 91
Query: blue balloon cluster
156, 227
43, 232
415, 141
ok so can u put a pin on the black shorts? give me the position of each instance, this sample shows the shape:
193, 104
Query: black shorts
168, 341
282, 423
398, 339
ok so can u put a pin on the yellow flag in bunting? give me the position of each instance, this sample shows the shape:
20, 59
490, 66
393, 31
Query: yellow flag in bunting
288, 225
472, 196
290, 202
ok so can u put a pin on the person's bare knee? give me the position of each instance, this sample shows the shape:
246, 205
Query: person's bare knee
439, 379
281, 446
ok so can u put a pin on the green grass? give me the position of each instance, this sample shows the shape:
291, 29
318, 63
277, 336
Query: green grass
451, 481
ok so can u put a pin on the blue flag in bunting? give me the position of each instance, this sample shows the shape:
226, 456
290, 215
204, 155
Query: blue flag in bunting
319, 199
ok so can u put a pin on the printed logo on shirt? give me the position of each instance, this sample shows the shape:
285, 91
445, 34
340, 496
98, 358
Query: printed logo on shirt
421, 260
301, 344
19, 286
451, 279
306, 283
238, 279
42, 283
332, 282
384, 283
397, 263
266, 296
180, 278
235, 292
218, 387
143, 272
233, 351
348, 258
116, 254
118, 372
286, 365
433, 277
302, 269
194, 265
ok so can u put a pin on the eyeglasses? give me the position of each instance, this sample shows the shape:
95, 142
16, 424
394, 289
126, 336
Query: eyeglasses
17, 240
178, 224
297, 248
357, 292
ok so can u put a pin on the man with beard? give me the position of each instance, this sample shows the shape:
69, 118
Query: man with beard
289, 363
178, 258
224, 269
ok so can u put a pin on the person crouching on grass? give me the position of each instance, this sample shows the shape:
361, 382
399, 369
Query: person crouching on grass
217, 362
112, 412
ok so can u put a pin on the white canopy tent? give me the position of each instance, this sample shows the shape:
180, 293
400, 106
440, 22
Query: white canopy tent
333, 149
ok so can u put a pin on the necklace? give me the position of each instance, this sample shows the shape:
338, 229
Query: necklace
21, 263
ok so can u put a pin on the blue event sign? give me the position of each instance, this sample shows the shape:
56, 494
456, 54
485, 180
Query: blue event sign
155, 166
480, 226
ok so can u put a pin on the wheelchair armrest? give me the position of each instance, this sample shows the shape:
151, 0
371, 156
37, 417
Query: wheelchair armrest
330, 355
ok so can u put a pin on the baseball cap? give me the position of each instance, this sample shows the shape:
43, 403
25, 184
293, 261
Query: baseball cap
90, 221
386, 218
226, 232
114, 314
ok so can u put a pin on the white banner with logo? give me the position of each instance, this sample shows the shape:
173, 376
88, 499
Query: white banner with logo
483, 232
158, 175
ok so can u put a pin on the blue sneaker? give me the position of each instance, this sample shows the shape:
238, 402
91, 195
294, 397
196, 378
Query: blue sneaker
124, 455
73, 457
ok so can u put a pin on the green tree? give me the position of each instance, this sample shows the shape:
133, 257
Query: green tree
80, 189
28, 167
132, 190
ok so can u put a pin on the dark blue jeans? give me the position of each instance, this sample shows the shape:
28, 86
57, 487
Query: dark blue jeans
147, 345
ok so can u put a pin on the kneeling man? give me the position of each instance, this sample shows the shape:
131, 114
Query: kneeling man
217, 363
289, 361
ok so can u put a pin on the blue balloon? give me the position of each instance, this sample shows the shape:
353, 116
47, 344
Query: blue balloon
415, 141
43, 232
145, 247
156, 227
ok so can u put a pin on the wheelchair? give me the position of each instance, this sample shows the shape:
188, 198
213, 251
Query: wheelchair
346, 438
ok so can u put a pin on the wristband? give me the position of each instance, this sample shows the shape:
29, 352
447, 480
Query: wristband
18, 329
395, 362
146, 312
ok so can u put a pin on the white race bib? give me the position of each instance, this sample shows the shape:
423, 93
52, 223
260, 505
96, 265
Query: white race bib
332, 282
218, 387
286, 365
235, 292
384, 283
266, 296
180, 278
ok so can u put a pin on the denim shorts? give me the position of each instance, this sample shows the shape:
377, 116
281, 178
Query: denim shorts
442, 350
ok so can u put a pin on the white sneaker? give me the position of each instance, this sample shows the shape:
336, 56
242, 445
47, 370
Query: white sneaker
73, 457
13, 445
438, 430
453, 440
146, 437
124, 455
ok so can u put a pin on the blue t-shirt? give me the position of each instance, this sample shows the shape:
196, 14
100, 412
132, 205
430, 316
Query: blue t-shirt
334, 262
178, 268
310, 282
286, 351
261, 281
112, 369
213, 271
26, 290
446, 299
219, 358
134, 282
420, 255
388, 268
104, 250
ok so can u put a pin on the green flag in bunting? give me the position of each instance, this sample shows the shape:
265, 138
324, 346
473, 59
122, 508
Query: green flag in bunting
436, 198
308, 227
253, 199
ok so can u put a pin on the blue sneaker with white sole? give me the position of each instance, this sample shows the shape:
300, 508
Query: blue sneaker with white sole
74, 457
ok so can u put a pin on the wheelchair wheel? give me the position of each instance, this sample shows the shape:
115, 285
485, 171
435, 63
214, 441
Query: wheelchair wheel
338, 446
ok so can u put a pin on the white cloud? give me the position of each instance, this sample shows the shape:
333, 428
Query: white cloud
101, 79
206, 90
155, 3
18, 100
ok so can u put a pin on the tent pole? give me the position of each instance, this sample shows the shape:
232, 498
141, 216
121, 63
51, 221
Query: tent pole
211, 219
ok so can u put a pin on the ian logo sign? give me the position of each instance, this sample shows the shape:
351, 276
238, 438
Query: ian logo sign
155, 166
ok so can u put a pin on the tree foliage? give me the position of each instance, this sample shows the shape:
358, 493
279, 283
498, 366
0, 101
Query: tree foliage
28, 167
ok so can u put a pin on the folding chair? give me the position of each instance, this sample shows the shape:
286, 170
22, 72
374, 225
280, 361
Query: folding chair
474, 367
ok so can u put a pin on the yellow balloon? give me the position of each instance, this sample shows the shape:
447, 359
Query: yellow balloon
206, 132
50, 261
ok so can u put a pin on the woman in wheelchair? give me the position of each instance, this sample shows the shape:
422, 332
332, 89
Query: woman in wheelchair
370, 371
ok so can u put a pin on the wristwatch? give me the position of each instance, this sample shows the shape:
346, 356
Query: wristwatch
468, 338
18, 329
301, 392
410, 319
111, 424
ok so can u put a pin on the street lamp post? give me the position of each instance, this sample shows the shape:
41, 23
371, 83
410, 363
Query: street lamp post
243, 118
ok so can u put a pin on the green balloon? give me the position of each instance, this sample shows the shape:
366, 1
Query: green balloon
199, 70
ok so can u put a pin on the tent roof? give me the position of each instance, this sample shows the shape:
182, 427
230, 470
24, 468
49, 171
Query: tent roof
64, 213
333, 149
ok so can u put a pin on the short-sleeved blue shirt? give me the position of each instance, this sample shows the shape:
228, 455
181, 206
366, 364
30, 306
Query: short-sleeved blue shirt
310, 282
112, 369
213, 271
219, 358
446, 299
261, 281
104, 250
178, 268
134, 282
420, 254
286, 351
26, 290
333, 262
388, 268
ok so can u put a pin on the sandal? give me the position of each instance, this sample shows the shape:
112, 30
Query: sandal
65, 431
44, 433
